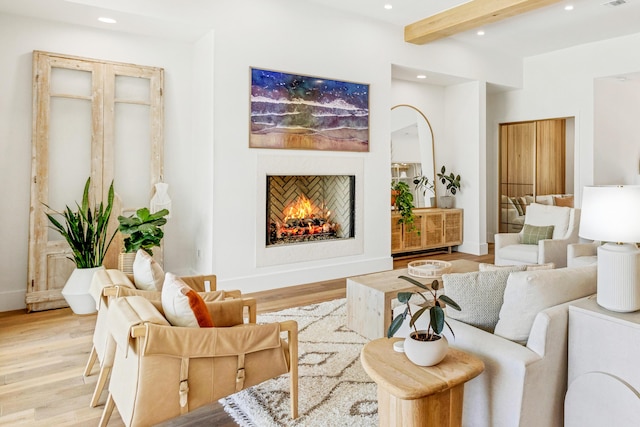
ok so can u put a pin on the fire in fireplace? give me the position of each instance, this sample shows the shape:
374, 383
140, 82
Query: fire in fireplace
309, 208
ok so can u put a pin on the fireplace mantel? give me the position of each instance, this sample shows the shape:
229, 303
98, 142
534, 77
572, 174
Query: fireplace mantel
317, 250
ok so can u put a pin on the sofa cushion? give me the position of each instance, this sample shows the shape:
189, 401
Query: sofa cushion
525, 254
182, 305
147, 273
490, 267
531, 234
530, 292
557, 216
479, 295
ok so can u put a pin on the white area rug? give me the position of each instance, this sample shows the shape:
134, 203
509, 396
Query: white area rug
334, 390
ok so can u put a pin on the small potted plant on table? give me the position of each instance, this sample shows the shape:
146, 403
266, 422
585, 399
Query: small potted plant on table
424, 347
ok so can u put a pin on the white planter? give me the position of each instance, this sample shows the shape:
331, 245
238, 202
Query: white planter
425, 353
76, 290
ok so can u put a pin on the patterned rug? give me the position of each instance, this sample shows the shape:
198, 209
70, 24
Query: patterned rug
334, 390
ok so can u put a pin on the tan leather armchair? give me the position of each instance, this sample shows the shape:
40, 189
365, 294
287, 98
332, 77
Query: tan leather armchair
162, 371
109, 284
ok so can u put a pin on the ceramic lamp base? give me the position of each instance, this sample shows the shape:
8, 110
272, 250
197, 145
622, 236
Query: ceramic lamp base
619, 277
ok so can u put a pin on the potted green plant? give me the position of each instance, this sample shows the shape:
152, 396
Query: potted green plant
143, 229
424, 184
404, 204
452, 186
424, 347
86, 232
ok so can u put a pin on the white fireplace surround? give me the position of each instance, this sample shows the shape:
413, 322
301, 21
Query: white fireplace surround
314, 250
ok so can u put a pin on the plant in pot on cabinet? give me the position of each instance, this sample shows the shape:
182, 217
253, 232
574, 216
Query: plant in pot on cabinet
424, 347
404, 205
143, 231
86, 232
452, 183
424, 184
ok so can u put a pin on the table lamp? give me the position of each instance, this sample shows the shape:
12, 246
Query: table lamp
612, 214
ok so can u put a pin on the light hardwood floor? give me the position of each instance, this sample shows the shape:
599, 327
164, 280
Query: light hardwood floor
43, 355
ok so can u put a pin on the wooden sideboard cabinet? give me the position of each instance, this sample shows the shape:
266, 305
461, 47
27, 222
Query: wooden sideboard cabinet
434, 228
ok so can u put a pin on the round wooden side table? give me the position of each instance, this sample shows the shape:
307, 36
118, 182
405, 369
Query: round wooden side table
412, 395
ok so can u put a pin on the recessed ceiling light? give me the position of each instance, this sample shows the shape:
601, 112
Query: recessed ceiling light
421, 76
568, 7
107, 20
480, 33
388, 6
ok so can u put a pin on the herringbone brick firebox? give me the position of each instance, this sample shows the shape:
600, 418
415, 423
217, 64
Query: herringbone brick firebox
306, 208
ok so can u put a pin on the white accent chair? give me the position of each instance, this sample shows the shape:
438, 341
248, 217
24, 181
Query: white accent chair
582, 254
566, 221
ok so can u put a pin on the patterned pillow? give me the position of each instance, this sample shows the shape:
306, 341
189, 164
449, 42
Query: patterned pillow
516, 203
531, 234
479, 295
182, 305
147, 273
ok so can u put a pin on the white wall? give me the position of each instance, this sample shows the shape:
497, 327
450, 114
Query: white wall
465, 156
561, 84
617, 131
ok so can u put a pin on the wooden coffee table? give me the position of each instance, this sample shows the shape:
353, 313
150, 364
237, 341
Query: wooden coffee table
369, 297
412, 395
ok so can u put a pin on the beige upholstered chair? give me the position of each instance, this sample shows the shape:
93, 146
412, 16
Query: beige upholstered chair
162, 371
109, 284
582, 254
510, 249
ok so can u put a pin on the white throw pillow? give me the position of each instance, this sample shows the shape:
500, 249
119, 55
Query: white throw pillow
182, 305
479, 295
543, 215
529, 292
147, 273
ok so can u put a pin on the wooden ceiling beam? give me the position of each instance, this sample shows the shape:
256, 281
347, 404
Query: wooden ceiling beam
469, 15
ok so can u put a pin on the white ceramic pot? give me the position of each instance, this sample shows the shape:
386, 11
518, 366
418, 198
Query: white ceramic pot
425, 353
76, 290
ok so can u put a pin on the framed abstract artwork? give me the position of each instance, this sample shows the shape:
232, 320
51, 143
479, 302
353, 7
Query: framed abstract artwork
290, 111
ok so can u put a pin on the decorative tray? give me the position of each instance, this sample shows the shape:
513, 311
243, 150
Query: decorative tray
428, 268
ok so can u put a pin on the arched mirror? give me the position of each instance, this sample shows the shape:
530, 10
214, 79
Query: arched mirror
412, 153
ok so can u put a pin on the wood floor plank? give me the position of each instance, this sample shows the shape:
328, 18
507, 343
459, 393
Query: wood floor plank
43, 354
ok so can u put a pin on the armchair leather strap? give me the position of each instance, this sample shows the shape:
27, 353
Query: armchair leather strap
184, 385
240, 373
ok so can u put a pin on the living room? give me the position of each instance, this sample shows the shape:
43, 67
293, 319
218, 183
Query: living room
211, 170
207, 84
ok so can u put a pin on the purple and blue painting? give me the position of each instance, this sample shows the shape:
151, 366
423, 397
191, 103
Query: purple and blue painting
308, 113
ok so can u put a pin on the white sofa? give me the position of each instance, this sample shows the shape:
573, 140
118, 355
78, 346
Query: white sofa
522, 385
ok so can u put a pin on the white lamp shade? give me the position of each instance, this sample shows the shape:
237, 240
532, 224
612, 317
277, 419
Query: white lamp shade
611, 213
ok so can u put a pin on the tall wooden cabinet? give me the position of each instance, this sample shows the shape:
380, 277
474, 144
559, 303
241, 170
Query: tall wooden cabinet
434, 228
532, 163
90, 118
